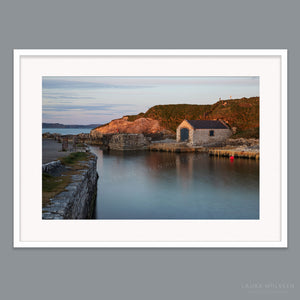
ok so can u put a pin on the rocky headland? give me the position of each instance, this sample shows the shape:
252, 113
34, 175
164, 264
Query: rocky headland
145, 126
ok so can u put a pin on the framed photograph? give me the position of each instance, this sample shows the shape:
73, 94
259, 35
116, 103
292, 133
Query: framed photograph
150, 148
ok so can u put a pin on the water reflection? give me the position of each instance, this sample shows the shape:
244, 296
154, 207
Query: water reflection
160, 185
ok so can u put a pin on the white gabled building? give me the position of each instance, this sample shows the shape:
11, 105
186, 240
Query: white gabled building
201, 132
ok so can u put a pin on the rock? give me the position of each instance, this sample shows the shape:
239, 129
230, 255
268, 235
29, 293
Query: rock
54, 168
141, 125
242, 142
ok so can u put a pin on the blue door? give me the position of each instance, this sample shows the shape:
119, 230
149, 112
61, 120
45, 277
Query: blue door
184, 134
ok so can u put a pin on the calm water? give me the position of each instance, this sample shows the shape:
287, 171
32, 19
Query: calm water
161, 185
64, 131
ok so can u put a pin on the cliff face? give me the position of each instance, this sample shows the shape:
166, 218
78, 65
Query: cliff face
141, 125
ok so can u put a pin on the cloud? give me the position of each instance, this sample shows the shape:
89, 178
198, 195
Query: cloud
58, 83
60, 96
98, 107
142, 82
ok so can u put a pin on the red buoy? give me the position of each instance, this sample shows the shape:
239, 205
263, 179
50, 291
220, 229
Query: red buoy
231, 158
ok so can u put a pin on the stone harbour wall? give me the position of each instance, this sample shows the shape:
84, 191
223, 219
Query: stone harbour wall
79, 199
101, 140
129, 142
126, 141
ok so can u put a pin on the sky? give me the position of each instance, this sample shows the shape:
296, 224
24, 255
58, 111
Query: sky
98, 100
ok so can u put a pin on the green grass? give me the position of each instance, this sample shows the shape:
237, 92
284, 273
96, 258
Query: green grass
52, 185
80, 145
247, 134
74, 158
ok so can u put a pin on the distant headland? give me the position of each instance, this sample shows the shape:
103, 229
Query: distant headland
58, 125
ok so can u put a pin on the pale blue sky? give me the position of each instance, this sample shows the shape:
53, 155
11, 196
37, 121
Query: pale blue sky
97, 100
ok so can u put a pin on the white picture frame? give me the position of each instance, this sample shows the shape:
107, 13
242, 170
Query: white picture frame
29, 228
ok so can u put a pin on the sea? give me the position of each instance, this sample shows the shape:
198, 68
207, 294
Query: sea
162, 185
66, 131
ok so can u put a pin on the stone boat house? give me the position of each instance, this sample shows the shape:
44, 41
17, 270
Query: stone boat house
202, 132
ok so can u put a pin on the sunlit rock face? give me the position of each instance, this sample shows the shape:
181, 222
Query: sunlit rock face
141, 125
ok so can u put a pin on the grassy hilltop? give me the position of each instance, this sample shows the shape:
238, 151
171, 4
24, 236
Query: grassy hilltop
240, 113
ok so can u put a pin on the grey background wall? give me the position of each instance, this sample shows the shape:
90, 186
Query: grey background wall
147, 273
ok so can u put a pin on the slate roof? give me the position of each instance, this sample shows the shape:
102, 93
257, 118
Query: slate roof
207, 124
